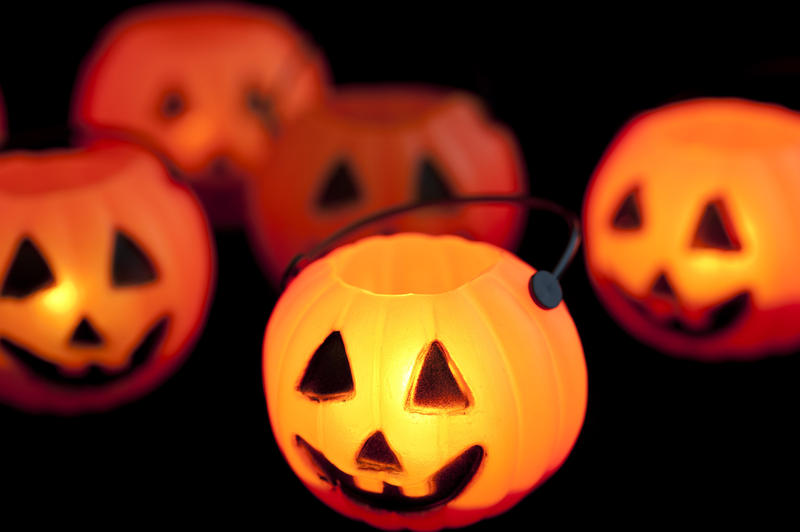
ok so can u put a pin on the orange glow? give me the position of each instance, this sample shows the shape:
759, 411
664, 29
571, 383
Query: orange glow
210, 86
106, 269
371, 148
62, 298
394, 358
715, 185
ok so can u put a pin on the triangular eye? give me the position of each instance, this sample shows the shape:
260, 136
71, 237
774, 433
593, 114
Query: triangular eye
438, 386
263, 107
340, 188
715, 229
172, 105
131, 266
628, 215
327, 376
431, 184
28, 272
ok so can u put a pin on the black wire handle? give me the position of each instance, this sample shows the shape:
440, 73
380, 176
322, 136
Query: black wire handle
545, 289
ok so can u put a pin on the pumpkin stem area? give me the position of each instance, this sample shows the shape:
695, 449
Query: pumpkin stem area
413, 263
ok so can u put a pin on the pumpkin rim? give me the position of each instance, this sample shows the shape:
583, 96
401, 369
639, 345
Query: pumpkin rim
344, 257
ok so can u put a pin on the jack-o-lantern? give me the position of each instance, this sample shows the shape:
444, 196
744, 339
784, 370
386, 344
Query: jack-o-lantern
371, 148
691, 224
412, 381
209, 86
106, 268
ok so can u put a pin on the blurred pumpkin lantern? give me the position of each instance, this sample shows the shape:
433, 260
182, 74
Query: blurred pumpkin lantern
372, 148
691, 221
411, 380
210, 86
106, 274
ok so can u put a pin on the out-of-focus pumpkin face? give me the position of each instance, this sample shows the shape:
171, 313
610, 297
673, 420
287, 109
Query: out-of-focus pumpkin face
691, 221
412, 381
372, 148
105, 275
210, 86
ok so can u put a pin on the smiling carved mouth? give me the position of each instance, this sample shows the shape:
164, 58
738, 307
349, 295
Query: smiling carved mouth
720, 317
95, 375
447, 483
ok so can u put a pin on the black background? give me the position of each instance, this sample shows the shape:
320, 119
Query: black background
664, 439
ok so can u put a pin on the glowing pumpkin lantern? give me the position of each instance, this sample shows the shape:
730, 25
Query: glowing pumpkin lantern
691, 221
211, 86
106, 268
412, 381
372, 148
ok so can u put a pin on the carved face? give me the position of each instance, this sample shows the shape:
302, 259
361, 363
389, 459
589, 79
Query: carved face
210, 86
105, 275
370, 149
426, 389
689, 221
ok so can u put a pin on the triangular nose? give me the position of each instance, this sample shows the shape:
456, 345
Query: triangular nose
85, 335
376, 454
662, 288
